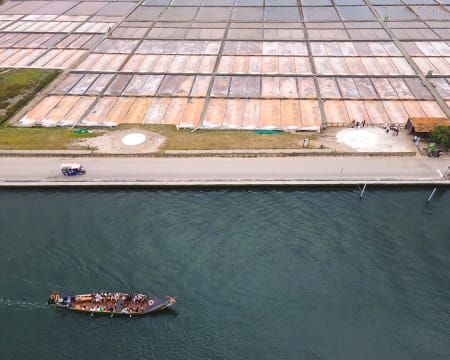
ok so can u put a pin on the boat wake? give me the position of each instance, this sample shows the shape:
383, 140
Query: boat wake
23, 305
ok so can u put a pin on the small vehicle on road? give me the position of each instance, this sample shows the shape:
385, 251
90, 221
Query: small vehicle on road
72, 169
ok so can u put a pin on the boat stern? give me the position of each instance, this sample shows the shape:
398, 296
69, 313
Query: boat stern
53, 298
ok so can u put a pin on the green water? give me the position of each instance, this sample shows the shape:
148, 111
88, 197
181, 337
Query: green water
264, 274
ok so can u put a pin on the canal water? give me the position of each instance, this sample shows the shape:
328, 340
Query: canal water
258, 274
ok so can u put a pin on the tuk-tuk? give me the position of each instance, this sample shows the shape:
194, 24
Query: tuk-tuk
72, 169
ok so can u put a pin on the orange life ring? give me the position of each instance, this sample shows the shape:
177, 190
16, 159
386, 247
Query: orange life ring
151, 302
52, 296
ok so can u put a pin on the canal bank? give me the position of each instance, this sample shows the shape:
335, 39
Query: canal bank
226, 171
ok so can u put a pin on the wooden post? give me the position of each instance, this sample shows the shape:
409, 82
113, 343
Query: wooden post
432, 194
362, 191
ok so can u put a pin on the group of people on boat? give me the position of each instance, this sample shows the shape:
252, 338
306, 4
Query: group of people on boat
110, 309
112, 303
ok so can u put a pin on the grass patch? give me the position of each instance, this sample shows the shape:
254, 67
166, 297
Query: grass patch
39, 139
224, 139
12, 138
19, 86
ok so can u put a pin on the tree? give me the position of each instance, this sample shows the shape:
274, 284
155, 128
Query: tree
441, 135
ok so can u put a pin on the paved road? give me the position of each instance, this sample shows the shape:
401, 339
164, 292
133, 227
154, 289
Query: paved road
228, 169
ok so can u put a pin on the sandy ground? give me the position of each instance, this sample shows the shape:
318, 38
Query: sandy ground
110, 142
366, 139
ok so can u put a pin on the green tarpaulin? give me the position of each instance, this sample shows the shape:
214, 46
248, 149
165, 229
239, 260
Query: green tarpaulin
267, 132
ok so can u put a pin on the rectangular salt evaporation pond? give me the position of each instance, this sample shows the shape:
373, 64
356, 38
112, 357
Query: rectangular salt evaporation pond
99, 84
395, 13
24, 8
291, 115
245, 86
234, 114
442, 86
129, 32
365, 88
328, 88
200, 86
192, 113
116, 8
156, 112
136, 63
102, 62
432, 12
99, 113
221, 86
118, 111
66, 84
401, 88
83, 84
177, 14
372, 66
118, 84
288, 87
419, 91
86, 8
143, 85
251, 114
78, 41
137, 111
55, 8
175, 111
59, 111
432, 109
23, 58
441, 64
174, 85
336, 113
115, 46
279, 87
384, 88
311, 118
352, 13
40, 110
356, 66
414, 109
339, 66
215, 114
348, 88
323, 34
323, 66
306, 87
356, 110
324, 13
245, 34
213, 14
397, 113
270, 115
377, 113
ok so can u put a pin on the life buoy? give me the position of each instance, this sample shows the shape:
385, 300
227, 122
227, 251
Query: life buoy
151, 302
52, 297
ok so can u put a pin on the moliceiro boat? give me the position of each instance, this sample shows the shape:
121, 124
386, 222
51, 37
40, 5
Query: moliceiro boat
107, 303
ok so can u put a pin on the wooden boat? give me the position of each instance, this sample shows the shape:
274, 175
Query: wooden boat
113, 304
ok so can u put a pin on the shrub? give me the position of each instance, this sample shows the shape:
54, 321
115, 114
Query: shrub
441, 135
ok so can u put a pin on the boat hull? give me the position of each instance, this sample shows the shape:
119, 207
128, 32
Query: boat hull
112, 304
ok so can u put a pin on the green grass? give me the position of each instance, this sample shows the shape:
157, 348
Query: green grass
224, 139
60, 139
38, 139
18, 87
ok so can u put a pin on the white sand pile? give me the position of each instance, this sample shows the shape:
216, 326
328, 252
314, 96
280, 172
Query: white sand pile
133, 139
371, 139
